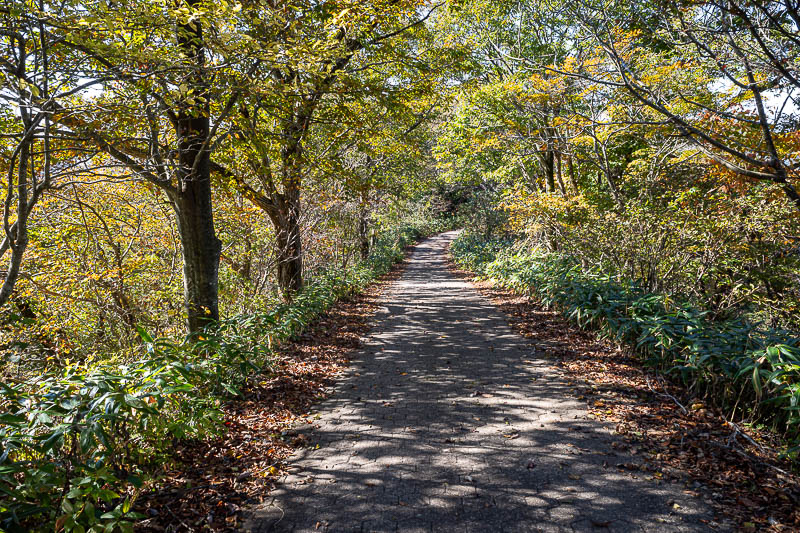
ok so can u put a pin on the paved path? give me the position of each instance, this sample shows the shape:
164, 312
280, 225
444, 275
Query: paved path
449, 422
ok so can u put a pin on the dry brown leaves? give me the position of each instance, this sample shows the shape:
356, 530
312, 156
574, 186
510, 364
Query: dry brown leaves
736, 470
213, 480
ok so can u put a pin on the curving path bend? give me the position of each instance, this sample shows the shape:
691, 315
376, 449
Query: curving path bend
448, 421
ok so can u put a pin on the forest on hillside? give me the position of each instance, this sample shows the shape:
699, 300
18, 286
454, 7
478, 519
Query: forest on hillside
187, 184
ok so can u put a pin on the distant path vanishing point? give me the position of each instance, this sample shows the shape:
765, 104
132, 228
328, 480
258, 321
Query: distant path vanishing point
449, 421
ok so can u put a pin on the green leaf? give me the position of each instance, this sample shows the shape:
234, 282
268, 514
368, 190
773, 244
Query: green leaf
134, 402
144, 335
89, 513
231, 389
87, 440
53, 441
8, 418
75, 492
757, 381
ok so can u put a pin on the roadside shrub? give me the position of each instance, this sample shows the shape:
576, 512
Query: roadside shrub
731, 253
749, 370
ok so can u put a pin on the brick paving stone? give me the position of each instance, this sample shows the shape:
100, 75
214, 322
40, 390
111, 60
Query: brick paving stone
448, 421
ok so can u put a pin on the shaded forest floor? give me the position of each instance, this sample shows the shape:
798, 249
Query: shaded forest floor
736, 470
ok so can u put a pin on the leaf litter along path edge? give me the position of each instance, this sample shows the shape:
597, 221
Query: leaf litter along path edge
448, 420
214, 479
737, 470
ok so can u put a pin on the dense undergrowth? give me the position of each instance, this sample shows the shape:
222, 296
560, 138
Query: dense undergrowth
750, 371
79, 443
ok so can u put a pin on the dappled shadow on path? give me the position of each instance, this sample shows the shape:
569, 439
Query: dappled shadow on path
449, 421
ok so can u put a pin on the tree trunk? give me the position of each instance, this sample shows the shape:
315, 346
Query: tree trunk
290, 250
549, 181
284, 213
18, 240
16, 234
572, 181
288, 237
201, 252
558, 176
607, 173
363, 228
287, 227
533, 184
363, 236
192, 197
611, 181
